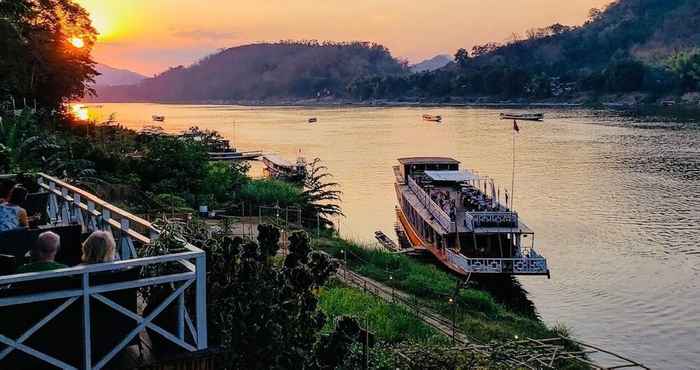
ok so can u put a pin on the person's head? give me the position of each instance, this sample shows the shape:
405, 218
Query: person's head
46, 246
99, 247
5, 188
18, 195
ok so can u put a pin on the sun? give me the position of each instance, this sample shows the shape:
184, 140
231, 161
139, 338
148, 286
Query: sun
77, 42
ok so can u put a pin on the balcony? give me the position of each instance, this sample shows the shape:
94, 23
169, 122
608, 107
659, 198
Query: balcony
477, 220
82, 317
533, 264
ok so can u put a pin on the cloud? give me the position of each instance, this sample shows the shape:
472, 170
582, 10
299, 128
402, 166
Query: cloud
202, 34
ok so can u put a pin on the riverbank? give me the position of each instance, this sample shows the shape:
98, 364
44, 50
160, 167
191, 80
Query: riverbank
635, 100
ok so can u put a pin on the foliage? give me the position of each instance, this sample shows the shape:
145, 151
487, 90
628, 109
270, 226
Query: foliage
37, 61
270, 192
291, 69
618, 50
389, 322
265, 315
686, 64
320, 199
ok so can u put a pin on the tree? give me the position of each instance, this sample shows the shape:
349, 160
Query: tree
624, 76
686, 65
462, 57
37, 59
264, 315
320, 198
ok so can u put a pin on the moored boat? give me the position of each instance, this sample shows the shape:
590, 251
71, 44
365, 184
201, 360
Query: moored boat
523, 116
280, 168
313, 120
432, 118
457, 216
157, 118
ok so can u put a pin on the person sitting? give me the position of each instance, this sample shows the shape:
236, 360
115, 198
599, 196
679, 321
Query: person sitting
44, 254
12, 216
99, 247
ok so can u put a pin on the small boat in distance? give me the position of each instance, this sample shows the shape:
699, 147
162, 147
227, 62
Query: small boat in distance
431, 118
313, 120
523, 116
157, 118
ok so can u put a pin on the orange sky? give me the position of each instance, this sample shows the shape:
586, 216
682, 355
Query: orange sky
147, 36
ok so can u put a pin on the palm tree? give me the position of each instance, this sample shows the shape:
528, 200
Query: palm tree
321, 198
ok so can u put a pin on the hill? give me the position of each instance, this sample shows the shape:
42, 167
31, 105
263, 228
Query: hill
649, 46
431, 64
266, 71
110, 76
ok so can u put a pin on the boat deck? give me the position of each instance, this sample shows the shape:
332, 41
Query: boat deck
462, 205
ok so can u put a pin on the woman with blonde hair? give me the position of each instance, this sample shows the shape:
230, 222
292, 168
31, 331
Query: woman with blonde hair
99, 247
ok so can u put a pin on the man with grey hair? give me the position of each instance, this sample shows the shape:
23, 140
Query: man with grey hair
44, 254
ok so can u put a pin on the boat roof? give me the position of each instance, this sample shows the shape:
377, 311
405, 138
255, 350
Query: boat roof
427, 160
277, 160
451, 176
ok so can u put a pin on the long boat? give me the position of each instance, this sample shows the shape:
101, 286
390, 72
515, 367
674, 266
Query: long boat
456, 216
431, 118
280, 168
523, 116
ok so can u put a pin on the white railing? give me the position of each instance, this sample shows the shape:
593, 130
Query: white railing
438, 213
514, 266
71, 205
492, 219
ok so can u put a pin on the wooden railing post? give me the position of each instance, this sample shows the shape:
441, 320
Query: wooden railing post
53, 203
92, 220
65, 207
126, 245
77, 216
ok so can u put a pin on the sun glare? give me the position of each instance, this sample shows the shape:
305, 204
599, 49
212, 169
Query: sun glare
77, 42
80, 112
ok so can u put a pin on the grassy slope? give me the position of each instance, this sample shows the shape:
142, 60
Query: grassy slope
390, 322
478, 314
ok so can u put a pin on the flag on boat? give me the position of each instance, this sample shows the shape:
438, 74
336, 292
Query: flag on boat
515, 126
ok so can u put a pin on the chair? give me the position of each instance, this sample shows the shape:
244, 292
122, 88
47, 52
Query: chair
8, 264
36, 204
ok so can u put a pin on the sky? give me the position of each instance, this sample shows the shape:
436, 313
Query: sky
148, 36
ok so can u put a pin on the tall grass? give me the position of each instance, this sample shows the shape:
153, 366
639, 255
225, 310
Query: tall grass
389, 322
270, 191
476, 311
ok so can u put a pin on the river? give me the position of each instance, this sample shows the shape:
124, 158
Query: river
614, 200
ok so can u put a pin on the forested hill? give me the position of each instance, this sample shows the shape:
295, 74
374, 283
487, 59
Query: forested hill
266, 71
632, 45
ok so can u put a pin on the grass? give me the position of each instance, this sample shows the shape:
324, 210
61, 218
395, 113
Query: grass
477, 313
389, 322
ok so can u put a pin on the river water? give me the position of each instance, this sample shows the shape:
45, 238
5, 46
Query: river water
614, 201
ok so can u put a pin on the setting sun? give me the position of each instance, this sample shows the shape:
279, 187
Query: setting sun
77, 42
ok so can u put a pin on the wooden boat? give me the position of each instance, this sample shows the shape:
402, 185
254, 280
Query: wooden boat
313, 120
457, 217
386, 242
280, 168
431, 118
523, 116
157, 118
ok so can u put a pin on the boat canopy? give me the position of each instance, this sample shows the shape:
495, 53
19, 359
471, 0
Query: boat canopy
451, 176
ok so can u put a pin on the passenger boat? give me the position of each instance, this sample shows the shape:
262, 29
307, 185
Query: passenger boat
280, 168
157, 118
431, 118
523, 116
313, 120
457, 216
